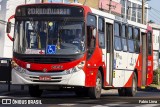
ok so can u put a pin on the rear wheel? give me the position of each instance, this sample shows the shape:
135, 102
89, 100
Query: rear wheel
34, 91
131, 91
95, 92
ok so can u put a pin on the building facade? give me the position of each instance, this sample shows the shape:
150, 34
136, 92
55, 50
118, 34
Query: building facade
7, 9
128, 9
156, 45
132, 10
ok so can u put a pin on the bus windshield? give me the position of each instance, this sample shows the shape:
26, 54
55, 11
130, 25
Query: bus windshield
49, 37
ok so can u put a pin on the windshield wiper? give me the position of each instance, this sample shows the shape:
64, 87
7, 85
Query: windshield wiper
35, 31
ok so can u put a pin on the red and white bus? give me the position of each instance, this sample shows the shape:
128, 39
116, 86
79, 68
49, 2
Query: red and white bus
74, 46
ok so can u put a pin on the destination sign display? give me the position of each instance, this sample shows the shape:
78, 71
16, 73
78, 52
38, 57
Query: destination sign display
49, 11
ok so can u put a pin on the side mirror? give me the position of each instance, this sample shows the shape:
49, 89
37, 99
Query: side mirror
91, 35
94, 32
8, 29
91, 31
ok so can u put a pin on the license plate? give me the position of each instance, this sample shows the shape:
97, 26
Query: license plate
44, 78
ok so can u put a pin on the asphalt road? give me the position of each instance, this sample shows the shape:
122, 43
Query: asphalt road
109, 98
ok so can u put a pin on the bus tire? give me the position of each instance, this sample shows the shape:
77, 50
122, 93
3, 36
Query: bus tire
131, 91
122, 91
95, 92
34, 91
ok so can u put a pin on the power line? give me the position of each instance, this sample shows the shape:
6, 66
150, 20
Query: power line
156, 10
154, 14
154, 18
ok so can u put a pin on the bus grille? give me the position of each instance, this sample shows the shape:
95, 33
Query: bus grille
47, 60
36, 79
38, 71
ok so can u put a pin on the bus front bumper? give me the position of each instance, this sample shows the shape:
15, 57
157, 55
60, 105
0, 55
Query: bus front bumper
25, 77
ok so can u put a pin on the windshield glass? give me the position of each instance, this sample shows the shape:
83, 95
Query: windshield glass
49, 37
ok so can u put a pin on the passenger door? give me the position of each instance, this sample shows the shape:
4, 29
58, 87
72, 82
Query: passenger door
109, 53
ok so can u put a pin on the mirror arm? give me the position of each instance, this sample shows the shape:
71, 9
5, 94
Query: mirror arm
12, 39
11, 18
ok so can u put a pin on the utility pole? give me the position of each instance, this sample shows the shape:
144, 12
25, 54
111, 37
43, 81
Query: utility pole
110, 2
43, 1
143, 11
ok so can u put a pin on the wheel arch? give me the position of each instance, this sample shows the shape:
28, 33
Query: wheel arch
136, 72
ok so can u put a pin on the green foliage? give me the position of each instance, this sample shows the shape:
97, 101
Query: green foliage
156, 77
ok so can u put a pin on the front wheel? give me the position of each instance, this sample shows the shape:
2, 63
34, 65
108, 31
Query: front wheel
95, 92
34, 91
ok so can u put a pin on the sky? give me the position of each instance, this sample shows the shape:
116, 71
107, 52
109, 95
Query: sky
154, 12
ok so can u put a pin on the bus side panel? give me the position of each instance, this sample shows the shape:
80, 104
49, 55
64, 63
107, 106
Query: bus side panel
124, 66
92, 66
139, 70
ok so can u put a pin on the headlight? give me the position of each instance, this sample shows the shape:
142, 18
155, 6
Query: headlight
70, 71
76, 68
17, 67
14, 64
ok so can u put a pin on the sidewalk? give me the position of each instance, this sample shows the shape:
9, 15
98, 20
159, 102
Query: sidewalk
152, 88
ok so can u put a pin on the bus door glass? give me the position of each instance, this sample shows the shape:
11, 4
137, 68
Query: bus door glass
109, 53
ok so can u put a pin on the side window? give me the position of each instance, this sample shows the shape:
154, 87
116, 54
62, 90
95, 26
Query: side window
124, 34
130, 40
149, 36
136, 40
136, 34
91, 20
117, 39
101, 32
124, 38
91, 34
130, 32
116, 29
117, 43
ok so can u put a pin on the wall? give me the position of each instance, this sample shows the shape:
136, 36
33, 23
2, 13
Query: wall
7, 9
